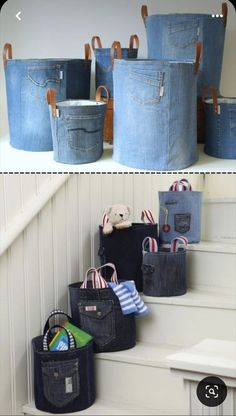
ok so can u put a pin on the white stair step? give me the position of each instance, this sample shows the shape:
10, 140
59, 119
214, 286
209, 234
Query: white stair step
214, 247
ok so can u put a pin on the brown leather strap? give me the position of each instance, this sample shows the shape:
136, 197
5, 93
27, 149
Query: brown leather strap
51, 99
215, 99
225, 12
6, 53
144, 12
116, 45
204, 92
93, 42
87, 51
133, 38
99, 93
198, 56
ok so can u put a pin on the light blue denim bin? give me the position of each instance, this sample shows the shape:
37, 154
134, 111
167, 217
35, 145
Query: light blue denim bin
220, 126
155, 109
77, 128
27, 81
173, 36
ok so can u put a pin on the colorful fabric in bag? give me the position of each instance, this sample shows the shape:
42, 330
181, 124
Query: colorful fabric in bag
180, 213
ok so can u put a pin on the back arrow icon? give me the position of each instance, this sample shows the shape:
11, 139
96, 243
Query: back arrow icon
18, 16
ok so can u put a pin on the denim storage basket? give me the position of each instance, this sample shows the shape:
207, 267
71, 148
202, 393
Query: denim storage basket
155, 108
77, 128
98, 312
27, 81
220, 126
180, 214
64, 381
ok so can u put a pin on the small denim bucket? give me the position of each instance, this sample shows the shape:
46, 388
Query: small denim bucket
27, 81
64, 381
104, 58
164, 269
220, 126
173, 37
180, 213
77, 128
155, 109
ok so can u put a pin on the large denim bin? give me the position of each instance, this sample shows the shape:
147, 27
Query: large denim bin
164, 273
27, 81
173, 36
184, 215
155, 125
98, 312
220, 127
52, 371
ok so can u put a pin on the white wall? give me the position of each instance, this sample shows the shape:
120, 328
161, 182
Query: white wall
59, 28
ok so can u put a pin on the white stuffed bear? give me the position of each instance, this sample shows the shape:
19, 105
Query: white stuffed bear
116, 216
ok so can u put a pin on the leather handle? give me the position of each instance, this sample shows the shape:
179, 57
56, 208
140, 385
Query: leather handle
6, 53
215, 99
144, 12
93, 42
133, 38
51, 100
203, 94
87, 51
225, 12
99, 93
116, 45
198, 55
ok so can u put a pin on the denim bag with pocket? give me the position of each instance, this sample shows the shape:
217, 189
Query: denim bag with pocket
77, 128
27, 81
180, 213
164, 269
155, 109
96, 309
64, 381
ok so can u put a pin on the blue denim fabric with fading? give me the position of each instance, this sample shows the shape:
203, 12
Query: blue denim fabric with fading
155, 125
78, 131
27, 81
220, 129
174, 36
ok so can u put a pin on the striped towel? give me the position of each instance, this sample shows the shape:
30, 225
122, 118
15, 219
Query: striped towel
129, 298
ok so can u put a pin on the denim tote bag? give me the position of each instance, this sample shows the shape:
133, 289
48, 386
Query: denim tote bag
220, 126
77, 128
96, 309
164, 269
104, 61
123, 248
27, 81
180, 213
64, 381
155, 109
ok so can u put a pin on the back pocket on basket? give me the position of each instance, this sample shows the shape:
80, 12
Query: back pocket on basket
146, 87
183, 34
85, 133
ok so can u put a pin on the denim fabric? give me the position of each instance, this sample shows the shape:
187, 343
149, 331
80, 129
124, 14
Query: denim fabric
220, 129
184, 215
78, 131
64, 381
123, 248
164, 273
155, 114
27, 81
98, 312
104, 73
174, 36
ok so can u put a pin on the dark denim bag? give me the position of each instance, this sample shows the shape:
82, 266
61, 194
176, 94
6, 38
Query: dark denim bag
96, 309
164, 270
64, 381
123, 248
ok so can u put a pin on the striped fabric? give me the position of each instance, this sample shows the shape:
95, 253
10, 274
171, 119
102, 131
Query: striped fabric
147, 217
69, 334
150, 244
98, 282
176, 242
129, 298
182, 185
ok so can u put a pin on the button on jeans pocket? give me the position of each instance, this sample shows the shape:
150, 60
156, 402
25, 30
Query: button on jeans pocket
145, 87
183, 34
84, 133
97, 317
182, 223
61, 381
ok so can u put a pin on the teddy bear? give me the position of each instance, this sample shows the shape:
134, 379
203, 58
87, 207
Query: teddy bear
116, 216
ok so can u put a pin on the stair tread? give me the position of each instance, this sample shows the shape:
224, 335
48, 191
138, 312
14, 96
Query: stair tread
214, 246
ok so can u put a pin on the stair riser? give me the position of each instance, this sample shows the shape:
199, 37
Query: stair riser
185, 325
215, 221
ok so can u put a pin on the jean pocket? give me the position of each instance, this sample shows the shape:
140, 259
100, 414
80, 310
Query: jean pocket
146, 87
41, 76
61, 384
98, 319
85, 133
183, 34
232, 123
182, 223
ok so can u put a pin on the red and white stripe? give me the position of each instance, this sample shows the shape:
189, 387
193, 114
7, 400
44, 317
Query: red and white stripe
98, 282
150, 244
175, 243
181, 185
147, 217
114, 277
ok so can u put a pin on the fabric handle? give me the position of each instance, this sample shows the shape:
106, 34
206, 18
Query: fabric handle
114, 277
225, 12
150, 245
55, 312
70, 337
198, 55
6, 53
144, 12
133, 39
175, 242
98, 282
147, 217
51, 100
99, 93
115, 46
182, 185
93, 42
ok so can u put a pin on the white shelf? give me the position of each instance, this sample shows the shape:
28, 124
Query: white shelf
214, 247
